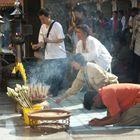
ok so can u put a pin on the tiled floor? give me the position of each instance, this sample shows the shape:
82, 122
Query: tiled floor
12, 126
80, 116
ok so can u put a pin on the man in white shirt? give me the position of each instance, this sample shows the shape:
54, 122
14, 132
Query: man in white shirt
55, 53
55, 40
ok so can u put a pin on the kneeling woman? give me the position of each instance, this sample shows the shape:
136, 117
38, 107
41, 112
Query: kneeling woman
90, 74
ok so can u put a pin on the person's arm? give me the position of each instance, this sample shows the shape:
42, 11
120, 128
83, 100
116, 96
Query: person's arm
76, 86
108, 120
41, 41
123, 21
37, 46
71, 29
111, 102
54, 41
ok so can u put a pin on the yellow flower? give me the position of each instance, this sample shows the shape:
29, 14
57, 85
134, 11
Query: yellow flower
19, 67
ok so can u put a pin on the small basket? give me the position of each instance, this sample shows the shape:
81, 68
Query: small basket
50, 118
30, 110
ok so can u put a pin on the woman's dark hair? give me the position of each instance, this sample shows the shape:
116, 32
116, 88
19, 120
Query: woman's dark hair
79, 58
46, 12
80, 9
85, 28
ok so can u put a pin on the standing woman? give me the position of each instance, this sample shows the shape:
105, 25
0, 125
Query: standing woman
92, 49
78, 16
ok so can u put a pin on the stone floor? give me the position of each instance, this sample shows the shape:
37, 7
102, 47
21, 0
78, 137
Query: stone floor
12, 126
80, 116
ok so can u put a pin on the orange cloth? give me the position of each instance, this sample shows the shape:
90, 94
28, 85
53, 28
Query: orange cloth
119, 97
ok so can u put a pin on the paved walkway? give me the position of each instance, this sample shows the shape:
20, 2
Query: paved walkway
80, 116
12, 126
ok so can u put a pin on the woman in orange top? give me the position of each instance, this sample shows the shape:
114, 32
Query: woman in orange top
122, 102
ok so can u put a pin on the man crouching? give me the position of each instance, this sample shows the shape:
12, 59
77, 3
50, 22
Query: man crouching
122, 102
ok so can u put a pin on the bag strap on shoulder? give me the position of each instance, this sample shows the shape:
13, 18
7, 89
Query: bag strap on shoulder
50, 27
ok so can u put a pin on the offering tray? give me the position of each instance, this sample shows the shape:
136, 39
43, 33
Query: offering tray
50, 118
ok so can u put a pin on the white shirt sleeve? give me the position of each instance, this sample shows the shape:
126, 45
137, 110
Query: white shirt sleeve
41, 34
123, 21
59, 30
